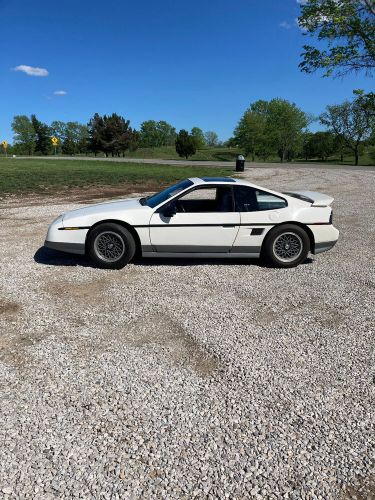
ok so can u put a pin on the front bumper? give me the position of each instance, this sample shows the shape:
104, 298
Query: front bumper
65, 240
77, 248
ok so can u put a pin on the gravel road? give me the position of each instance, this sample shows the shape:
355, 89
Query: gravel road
189, 379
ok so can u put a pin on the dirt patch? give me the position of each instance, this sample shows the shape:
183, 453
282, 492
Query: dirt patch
366, 490
86, 292
164, 334
159, 336
13, 348
312, 311
8, 308
91, 291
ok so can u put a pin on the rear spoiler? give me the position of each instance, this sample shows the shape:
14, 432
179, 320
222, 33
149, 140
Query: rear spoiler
316, 199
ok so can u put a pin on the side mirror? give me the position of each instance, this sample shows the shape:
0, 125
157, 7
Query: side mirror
169, 211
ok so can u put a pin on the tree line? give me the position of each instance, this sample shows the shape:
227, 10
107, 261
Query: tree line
110, 135
278, 127
266, 129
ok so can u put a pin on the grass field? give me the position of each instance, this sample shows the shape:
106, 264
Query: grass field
169, 153
39, 176
230, 154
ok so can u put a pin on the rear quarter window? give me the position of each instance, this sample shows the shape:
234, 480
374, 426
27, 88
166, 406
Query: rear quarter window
267, 201
249, 199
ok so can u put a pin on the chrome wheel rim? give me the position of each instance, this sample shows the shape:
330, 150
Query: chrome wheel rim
109, 246
288, 247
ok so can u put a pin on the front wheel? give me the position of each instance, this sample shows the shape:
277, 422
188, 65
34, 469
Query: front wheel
286, 246
110, 246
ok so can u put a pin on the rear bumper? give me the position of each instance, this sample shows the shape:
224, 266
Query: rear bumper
325, 237
77, 248
324, 246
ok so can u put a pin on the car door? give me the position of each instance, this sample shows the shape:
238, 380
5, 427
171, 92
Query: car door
204, 222
259, 212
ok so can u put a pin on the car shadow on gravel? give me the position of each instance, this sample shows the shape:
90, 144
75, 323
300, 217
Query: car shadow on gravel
55, 258
50, 257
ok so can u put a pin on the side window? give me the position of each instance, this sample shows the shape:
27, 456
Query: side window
249, 199
207, 199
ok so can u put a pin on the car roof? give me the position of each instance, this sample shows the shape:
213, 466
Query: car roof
229, 180
217, 179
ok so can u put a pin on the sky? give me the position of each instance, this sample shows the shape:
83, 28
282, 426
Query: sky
191, 63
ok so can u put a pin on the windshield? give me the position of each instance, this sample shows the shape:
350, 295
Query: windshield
158, 198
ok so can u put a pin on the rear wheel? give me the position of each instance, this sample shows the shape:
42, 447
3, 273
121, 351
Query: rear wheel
110, 246
286, 246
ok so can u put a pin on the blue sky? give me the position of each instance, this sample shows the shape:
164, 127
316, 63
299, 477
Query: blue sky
192, 63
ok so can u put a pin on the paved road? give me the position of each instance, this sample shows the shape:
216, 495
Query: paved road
198, 163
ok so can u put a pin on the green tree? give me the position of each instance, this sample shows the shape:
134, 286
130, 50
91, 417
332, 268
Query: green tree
185, 144
198, 135
232, 142
352, 121
306, 151
285, 125
167, 133
82, 138
73, 136
211, 138
58, 129
250, 132
24, 135
110, 135
155, 134
320, 145
272, 127
149, 135
345, 34
43, 136
96, 129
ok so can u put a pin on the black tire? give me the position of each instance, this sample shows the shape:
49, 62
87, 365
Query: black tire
286, 246
110, 246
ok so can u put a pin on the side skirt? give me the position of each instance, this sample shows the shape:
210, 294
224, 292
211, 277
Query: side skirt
203, 255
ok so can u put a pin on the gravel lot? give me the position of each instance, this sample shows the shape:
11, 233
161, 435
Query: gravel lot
189, 379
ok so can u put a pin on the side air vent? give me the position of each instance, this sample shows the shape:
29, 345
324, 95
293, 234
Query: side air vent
257, 231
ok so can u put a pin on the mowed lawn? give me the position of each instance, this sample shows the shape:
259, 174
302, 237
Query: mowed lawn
230, 154
49, 176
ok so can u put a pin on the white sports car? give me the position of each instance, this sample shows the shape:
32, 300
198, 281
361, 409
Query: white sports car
200, 217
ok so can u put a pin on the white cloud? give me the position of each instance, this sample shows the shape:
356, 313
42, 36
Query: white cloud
285, 25
31, 71
60, 92
302, 2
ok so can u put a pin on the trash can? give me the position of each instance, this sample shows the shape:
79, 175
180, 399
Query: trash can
240, 163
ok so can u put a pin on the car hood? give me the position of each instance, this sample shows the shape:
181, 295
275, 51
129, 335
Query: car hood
108, 206
120, 209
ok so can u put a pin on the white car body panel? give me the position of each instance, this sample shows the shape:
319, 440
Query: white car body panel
215, 232
224, 234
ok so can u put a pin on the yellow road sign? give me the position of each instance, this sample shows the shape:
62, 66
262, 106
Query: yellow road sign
54, 140
4, 144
